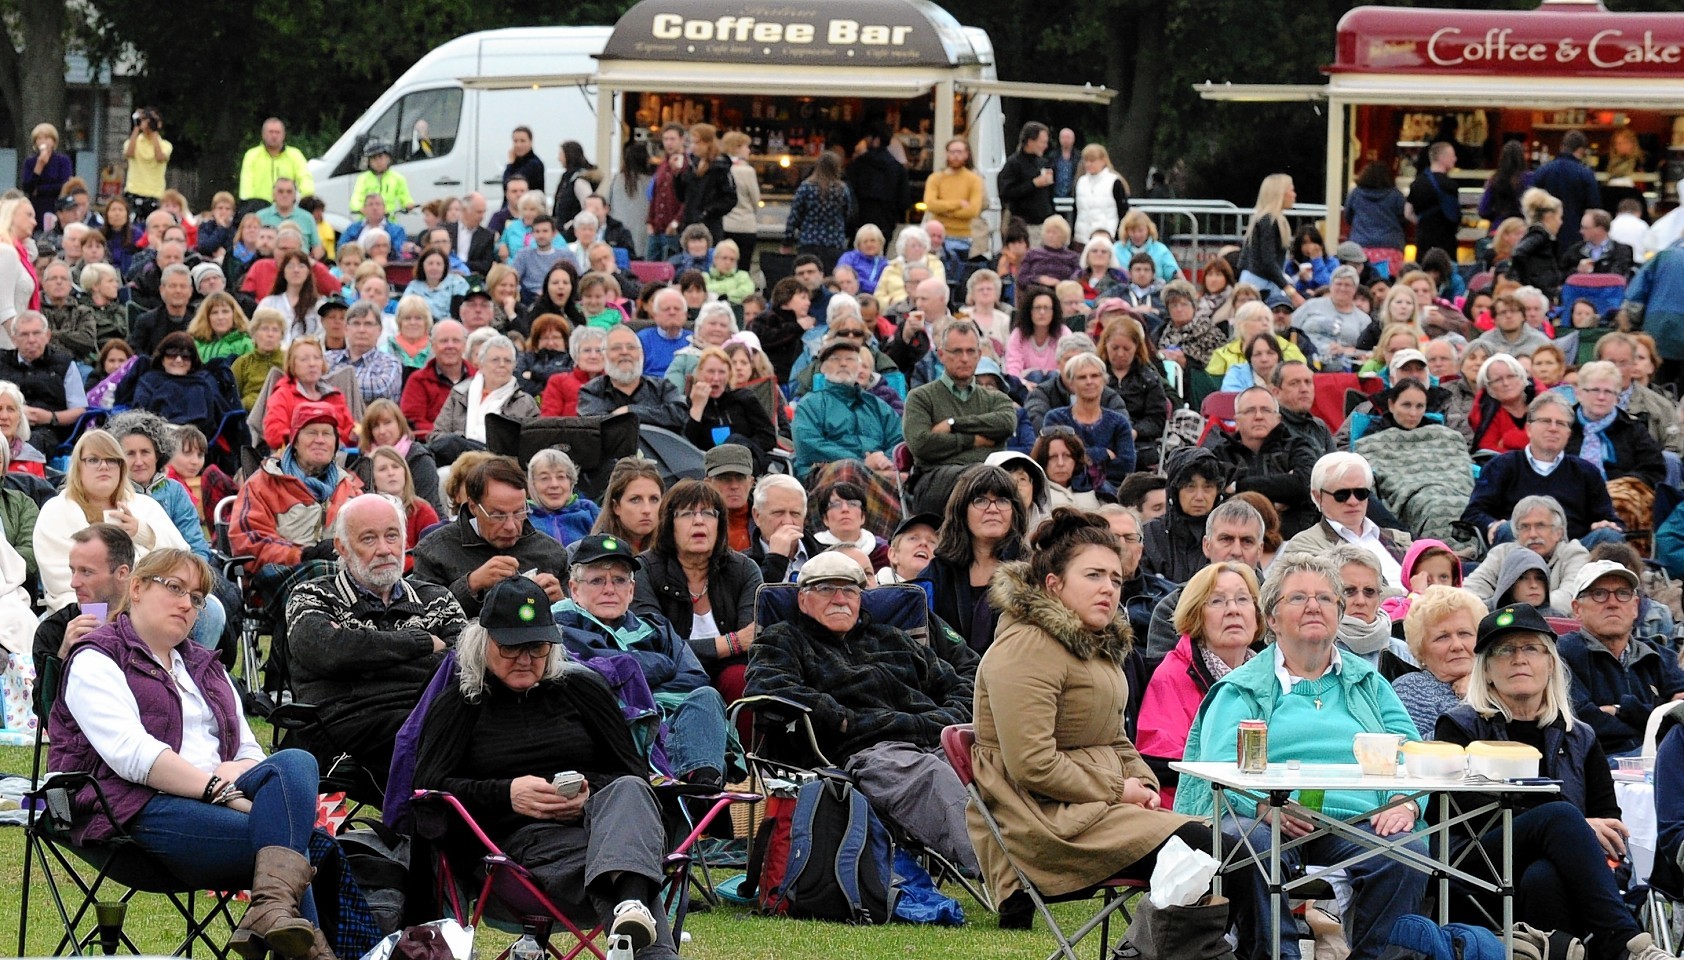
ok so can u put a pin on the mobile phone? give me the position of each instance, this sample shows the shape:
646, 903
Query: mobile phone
568, 783
95, 610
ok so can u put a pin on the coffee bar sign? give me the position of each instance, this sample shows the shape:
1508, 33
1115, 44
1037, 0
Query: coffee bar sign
1393, 40
864, 32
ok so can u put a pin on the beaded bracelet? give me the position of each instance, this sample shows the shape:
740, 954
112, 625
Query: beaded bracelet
209, 796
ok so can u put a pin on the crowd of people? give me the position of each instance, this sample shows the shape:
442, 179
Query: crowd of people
1114, 580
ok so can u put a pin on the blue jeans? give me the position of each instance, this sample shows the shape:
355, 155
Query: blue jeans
1382, 889
961, 249
207, 630
663, 247
1561, 878
696, 732
215, 848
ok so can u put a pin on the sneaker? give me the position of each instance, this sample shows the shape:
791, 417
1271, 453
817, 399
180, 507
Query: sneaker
1642, 947
634, 921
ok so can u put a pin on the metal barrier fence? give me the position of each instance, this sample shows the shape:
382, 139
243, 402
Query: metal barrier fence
1195, 229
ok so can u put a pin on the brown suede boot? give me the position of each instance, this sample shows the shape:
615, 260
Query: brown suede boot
272, 922
320, 950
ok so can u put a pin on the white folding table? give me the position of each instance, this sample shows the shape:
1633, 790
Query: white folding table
1274, 788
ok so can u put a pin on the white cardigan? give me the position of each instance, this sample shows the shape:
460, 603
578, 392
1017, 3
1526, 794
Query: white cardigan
16, 287
61, 517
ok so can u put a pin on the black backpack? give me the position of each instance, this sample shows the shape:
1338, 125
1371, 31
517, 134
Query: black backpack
840, 857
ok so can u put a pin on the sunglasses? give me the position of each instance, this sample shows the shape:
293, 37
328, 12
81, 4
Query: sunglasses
177, 355
1344, 496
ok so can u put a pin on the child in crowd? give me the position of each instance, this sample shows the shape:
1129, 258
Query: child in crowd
1144, 289
754, 304
696, 255
207, 486
593, 301
1426, 563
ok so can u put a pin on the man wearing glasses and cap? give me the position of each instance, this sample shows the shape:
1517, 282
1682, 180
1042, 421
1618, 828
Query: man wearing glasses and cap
878, 702
843, 421
597, 621
1617, 679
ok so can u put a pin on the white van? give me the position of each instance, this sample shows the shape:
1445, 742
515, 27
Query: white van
449, 140
448, 119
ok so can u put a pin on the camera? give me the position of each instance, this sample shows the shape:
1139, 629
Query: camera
146, 118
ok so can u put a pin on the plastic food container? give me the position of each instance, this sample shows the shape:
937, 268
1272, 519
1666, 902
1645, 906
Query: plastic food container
1435, 760
1502, 760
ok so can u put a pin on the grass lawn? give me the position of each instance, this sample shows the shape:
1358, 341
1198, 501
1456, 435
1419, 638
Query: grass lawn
722, 934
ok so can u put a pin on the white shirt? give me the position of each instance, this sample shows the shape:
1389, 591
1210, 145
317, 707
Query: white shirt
99, 698
1544, 468
703, 626
1287, 679
1630, 230
1369, 539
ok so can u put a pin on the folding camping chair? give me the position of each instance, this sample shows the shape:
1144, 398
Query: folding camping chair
248, 662
80, 877
783, 743
956, 744
509, 895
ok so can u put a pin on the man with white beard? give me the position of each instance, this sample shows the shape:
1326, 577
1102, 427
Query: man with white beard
622, 387
363, 643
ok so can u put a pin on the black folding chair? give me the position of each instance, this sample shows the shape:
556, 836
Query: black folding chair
92, 883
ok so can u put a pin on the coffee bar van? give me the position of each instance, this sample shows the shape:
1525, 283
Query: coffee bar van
798, 79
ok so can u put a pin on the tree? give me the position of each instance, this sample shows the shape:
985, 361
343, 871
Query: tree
32, 65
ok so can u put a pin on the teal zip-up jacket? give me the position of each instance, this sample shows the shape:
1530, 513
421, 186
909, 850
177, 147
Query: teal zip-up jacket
842, 422
1252, 691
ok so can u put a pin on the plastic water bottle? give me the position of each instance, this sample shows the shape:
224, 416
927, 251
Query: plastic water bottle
527, 947
619, 948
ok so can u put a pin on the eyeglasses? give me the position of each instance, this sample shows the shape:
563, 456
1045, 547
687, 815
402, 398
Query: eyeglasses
94, 462
852, 334
1502, 378
1237, 600
837, 503
177, 355
1131, 537
1368, 593
1553, 422
698, 513
1254, 411
1302, 599
178, 590
1344, 496
597, 583
518, 516
531, 652
1512, 651
1601, 594
845, 591
986, 503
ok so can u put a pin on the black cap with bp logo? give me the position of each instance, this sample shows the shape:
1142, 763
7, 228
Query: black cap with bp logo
517, 613
1514, 618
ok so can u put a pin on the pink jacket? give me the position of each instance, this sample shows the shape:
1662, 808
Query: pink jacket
1166, 712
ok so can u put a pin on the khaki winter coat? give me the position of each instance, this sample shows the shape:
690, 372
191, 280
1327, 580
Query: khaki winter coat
1051, 756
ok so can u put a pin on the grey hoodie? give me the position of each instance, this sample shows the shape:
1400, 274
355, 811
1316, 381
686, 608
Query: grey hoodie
1514, 566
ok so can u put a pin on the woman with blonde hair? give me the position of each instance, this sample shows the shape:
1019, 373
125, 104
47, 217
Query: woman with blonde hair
1266, 239
912, 248
1534, 261
1102, 195
96, 490
1220, 624
1138, 234
20, 288
504, 286
305, 381
45, 171
413, 343
1393, 337
218, 328
740, 224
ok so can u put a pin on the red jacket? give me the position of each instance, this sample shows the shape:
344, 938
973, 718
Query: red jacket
561, 393
1167, 710
421, 516
275, 517
260, 278
277, 413
424, 395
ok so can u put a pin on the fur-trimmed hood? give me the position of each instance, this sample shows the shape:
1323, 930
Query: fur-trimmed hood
1014, 596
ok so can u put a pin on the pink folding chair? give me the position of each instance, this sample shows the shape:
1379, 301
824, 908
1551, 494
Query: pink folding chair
510, 894
956, 744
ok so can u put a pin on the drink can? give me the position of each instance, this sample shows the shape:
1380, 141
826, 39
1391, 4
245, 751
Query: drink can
1252, 746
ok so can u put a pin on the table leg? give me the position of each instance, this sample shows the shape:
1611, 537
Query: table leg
1219, 804
1443, 857
1276, 897
1508, 878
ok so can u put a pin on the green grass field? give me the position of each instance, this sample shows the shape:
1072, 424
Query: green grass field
721, 934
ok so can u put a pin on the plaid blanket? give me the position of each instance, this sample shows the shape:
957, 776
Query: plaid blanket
883, 511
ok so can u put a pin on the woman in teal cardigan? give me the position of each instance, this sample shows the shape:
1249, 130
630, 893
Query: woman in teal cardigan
1316, 699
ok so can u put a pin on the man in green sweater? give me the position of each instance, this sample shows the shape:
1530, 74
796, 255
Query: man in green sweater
952, 422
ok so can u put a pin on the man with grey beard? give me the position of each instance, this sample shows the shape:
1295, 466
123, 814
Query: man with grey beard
364, 642
622, 387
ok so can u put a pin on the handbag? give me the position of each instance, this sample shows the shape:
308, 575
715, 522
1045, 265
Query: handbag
1198, 932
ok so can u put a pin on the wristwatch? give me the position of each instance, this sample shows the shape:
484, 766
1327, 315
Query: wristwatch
950, 422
